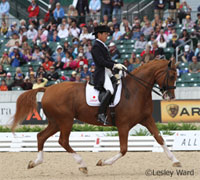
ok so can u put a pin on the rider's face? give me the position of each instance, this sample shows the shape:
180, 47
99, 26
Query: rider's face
103, 36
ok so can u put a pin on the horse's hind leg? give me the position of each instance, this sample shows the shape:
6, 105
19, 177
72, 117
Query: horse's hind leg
41, 138
64, 142
151, 126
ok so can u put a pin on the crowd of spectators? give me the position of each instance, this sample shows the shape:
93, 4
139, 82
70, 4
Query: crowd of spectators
28, 42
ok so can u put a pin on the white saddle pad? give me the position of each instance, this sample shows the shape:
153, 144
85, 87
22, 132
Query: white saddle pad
93, 94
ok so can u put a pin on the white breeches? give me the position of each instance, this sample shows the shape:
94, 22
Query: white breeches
107, 83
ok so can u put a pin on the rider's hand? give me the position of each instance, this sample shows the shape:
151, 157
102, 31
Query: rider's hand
120, 67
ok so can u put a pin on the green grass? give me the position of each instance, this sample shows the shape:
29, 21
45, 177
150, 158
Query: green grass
112, 134
75, 128
4, 129
168, 133
141, 132
187, 126
176, 126
29, 129
166, 128
87, 127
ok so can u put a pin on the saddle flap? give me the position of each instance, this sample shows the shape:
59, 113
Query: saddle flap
92, 95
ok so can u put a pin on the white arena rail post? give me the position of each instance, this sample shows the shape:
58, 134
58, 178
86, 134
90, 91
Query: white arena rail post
97, 145
16, 144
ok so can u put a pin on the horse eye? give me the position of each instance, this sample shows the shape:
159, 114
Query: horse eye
172, 77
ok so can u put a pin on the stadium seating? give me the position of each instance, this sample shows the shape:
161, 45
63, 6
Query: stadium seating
125, 47
16, 88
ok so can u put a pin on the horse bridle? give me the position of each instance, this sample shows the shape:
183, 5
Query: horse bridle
148, 85
167, 87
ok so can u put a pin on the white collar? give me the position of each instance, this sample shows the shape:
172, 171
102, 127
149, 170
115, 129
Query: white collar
102, 43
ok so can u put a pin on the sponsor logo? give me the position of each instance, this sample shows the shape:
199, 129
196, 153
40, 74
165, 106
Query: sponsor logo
5, 111
172, 109
93, 99
37, 117
180, 111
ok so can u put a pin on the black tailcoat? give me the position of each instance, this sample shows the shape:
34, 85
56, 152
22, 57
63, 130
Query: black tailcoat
101, 59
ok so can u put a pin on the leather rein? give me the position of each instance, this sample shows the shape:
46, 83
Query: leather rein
149, 85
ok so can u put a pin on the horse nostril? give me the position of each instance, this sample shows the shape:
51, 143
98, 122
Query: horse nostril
172, 97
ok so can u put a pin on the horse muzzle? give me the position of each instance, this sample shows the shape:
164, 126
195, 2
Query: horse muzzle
167, 95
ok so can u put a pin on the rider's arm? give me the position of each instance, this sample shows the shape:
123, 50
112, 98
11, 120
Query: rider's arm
100, 59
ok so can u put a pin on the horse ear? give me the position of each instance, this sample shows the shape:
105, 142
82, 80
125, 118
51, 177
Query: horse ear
170, 63
176, 64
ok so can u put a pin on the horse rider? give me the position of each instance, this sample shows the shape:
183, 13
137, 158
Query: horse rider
103, 70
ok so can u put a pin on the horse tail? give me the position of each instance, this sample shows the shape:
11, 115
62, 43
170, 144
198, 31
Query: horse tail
25, 104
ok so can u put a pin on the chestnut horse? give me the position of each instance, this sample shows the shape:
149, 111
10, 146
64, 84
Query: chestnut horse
65, 101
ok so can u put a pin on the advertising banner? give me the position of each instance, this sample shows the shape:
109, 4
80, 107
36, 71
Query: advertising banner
180, 111
7, 111
187, 141
37, 117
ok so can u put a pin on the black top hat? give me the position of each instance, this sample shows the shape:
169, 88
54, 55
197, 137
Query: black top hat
101, 29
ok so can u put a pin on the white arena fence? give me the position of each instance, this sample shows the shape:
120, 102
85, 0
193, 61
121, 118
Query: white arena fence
22, 142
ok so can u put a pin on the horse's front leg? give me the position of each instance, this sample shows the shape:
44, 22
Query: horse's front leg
123, 138
151, 126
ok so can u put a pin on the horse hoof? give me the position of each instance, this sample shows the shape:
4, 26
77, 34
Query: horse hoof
177, 164
100, 163
30, 164
83, 170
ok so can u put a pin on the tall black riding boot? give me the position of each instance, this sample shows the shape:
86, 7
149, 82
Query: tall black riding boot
103, 107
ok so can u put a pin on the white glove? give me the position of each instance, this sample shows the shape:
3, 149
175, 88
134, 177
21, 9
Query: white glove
119, 66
